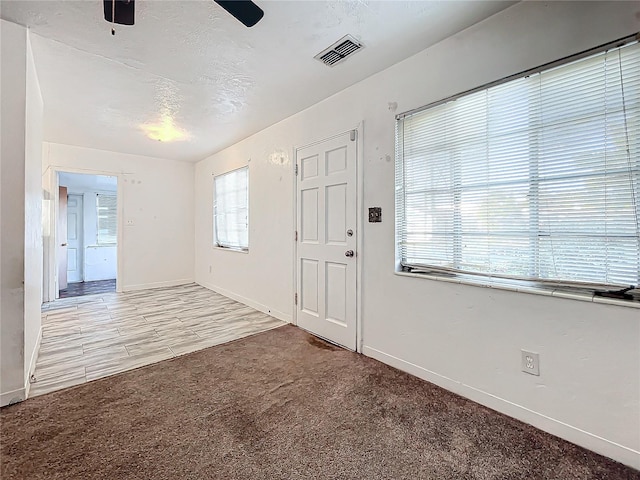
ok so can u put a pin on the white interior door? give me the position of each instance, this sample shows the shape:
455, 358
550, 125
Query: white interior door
75, 245
326, 232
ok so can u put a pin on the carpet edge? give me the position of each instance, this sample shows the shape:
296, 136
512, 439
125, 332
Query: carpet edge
575, 435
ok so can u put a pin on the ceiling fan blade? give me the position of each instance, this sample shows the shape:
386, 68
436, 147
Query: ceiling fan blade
244, 10
125, 11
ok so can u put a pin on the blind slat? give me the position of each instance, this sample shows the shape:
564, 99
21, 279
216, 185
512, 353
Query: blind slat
537, 178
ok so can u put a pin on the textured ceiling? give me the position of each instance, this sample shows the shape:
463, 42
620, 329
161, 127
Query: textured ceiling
191, 66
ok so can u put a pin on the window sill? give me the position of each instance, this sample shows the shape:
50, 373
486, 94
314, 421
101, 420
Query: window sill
523, 287
227, 249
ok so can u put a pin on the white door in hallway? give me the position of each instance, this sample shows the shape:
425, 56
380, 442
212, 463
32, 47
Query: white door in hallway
326, 233
75, 245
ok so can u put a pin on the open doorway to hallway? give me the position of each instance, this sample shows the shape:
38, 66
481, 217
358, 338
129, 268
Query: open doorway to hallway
87, 240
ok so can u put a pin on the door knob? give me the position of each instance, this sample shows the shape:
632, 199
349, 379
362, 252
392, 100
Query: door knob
63, 244
348, 253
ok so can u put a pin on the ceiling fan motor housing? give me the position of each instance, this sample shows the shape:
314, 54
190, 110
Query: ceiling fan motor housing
124, 11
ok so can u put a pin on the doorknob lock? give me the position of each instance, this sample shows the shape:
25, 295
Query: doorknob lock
349, 253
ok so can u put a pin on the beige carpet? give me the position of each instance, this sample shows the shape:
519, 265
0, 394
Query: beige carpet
278, 405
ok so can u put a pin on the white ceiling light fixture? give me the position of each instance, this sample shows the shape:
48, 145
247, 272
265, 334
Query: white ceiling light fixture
165, 130
340, 50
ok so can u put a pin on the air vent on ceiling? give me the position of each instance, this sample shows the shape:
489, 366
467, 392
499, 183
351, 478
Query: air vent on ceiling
340, 50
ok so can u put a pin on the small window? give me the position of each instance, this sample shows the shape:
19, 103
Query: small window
106, 212
231, 210
537, 178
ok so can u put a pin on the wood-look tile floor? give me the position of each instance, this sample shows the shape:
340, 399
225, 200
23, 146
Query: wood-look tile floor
90, 337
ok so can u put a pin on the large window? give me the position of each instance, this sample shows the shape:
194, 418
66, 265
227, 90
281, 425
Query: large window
535, 178
231, 210
107, 216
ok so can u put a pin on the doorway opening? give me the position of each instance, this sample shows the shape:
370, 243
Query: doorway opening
86, 231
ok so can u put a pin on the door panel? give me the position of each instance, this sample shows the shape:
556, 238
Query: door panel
326, 197
309, 281
309, 167
336, 288
336, 214
336, 160
309, 207
72, 263
75, 246
62, 238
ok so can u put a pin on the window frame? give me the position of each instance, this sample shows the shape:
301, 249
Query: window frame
577, 290
216, 243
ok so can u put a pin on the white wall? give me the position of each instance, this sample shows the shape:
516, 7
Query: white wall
13, 72
21, 200
262, 277
100, 262
33, 217
153, 193
465, 338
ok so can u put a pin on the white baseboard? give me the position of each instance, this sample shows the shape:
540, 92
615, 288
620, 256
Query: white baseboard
147, 286
32, 364
555, 427
285, 317
11, 397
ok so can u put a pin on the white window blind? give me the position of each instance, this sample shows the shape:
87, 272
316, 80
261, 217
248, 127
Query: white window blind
231, 209
106, 210
537, 178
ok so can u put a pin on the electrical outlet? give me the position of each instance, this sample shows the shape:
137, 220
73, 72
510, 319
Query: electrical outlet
375, 214
530, 363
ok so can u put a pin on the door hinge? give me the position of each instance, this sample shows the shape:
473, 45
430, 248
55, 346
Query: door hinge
296, 169
353, 135
296, 235
295, 299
